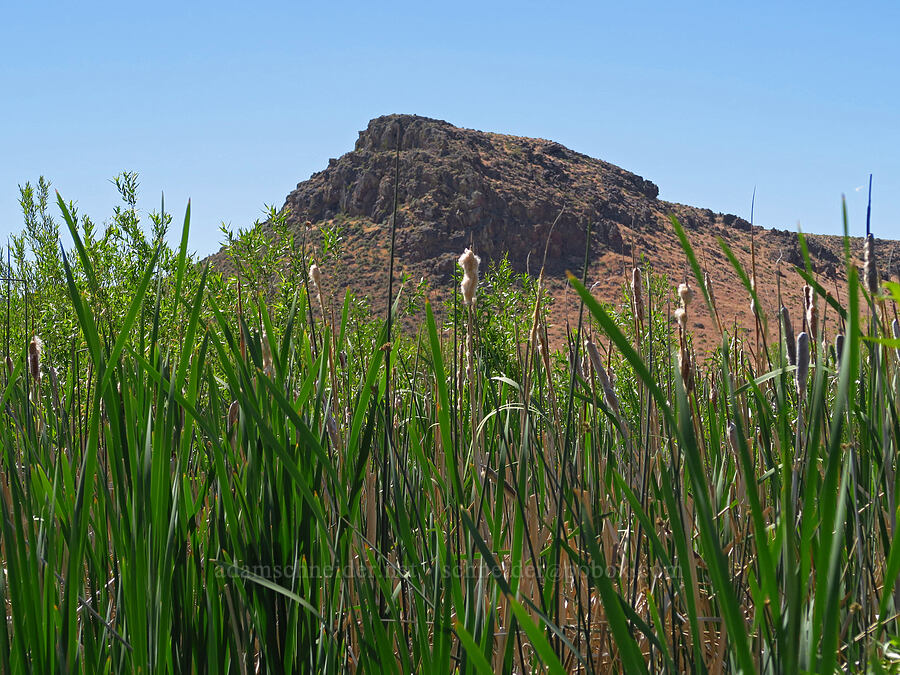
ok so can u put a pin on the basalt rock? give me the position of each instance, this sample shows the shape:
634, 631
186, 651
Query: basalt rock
504, 195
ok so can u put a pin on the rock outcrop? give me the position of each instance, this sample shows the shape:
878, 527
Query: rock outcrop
502, 194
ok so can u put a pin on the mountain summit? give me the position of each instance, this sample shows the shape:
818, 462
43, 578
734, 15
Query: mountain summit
510, 196
502, 194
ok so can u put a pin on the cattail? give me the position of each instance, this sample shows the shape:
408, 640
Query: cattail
469, 262
752, 300
332, 428
315, 275
733, 438
789, 336
802, 362
34, 359
713, 391
687, 369
839, 347
268, 364
895, 327
812, 312
609, 394
681, 317
9, 365
686, 294
342, 358
812, 319
54, 387
638, 295
870, 268
707, 281
233, 412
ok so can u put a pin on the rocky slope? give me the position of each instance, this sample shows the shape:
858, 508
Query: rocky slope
501, 194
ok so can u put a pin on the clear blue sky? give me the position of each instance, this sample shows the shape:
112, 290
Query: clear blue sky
233, 106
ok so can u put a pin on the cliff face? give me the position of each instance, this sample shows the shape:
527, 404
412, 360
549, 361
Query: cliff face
501, 193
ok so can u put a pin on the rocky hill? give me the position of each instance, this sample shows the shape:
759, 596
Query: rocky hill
501, 194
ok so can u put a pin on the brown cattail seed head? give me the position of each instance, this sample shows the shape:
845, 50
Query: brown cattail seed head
895, 328
637, 294
469, 263
609, 394
233, 412
686, 294
789, 336
812, 320
9, 366
687, 370
870, 268
802, 362
34, 359
839, 346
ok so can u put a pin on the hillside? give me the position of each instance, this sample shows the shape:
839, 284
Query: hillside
500, 194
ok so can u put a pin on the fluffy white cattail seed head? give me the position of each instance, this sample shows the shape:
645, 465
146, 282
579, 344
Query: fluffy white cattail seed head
681, 317
469, 263
686, 293
315, 275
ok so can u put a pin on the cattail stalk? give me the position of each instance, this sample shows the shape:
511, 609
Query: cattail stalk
469, 263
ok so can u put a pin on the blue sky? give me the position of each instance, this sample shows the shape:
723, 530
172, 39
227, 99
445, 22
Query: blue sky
232, 106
